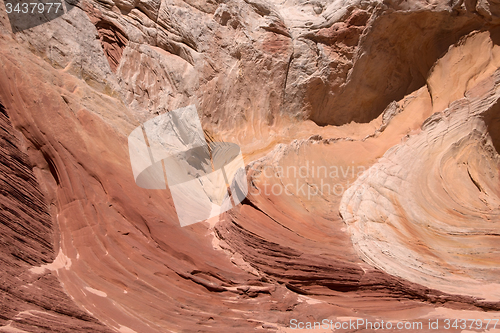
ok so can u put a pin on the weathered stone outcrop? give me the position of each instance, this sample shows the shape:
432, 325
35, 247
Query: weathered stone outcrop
427, 210
318, 95
30, 303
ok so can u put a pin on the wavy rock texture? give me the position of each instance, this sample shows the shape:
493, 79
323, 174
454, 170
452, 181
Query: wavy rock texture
30, 303
315, 93
428, 210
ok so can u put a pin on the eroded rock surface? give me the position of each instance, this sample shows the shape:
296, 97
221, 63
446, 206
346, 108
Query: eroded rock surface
30, 303
428, 210
315, 93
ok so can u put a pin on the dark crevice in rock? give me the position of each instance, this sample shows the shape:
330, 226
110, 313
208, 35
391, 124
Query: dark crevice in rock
113, 41
52, 168
492, 120
286, 74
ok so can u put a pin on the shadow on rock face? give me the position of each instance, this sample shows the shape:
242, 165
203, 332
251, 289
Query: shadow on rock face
26, 14
389, 67
492, 120
492, 116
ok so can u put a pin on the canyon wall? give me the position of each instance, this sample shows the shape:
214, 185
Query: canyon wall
369, 131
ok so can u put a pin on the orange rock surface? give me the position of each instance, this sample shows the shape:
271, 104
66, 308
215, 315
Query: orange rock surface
370, 134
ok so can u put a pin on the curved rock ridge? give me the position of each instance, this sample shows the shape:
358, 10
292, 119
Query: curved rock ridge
124, 259
428, 210
312, 57
290, 232
30, 303
273, 78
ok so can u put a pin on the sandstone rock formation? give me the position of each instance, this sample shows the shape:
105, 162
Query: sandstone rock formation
370, 134
427, 210
35, 303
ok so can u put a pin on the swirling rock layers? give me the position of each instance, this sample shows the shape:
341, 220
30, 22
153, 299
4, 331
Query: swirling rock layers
428, 211
29, 302
259, 72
